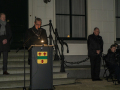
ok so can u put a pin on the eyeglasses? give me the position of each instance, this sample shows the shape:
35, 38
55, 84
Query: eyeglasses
38, 24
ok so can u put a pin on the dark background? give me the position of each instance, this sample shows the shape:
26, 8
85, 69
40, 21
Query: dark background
17, 15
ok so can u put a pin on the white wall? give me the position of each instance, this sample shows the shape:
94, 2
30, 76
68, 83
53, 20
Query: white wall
100, 13
42, 10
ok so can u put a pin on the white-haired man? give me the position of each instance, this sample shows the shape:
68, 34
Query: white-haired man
95, 49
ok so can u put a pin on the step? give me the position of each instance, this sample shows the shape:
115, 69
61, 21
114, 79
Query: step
21, 64
57, 63
15, 64
56, 68
20, 70
80, 67
13, 52
83, 71
16, 58
13, 77
63, 81
16, 84
20, 52
59, 75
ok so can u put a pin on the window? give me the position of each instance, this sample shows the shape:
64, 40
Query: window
71, 19
117, 19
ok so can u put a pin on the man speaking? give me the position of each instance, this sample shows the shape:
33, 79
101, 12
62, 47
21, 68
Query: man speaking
95, 49
35, 36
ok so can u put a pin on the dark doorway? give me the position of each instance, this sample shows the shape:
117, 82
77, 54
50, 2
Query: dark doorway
17, 15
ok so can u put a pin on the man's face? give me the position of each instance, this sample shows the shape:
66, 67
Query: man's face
96, 32
3, 17
113, 49
37, 24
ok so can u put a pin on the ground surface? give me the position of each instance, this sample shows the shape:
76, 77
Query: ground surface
85, 84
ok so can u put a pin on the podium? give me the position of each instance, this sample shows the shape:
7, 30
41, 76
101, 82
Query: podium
41, 67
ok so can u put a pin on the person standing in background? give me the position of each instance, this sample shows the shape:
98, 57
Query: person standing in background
95, 49
5, 36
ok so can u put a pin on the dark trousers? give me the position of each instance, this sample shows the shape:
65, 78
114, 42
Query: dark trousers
95, 66
116, 69
5, 58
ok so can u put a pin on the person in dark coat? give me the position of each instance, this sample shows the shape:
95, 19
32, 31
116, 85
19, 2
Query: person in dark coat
35, 36
112, 62
95, 49
5, 36
117, 46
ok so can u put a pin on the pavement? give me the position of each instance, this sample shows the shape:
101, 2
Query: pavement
84, 84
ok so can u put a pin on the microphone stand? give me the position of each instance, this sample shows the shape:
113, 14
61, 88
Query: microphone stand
24, 88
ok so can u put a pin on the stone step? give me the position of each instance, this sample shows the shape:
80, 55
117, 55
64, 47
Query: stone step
58, 75
21, 52
16, 58
83, 71
21, 64
20, 70
15, 64
57, 63
17, 84
14, 77
63, 81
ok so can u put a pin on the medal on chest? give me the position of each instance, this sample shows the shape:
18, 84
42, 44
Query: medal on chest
37, 34
38, 37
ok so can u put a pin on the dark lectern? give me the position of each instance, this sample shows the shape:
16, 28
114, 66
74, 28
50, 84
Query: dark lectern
41, 67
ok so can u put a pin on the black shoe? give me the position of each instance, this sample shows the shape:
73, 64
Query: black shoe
5, 73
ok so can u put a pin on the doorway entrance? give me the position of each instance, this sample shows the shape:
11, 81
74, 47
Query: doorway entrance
17, 15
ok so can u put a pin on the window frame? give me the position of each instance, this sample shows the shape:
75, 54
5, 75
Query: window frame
116, 26
70, 15
116, 19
